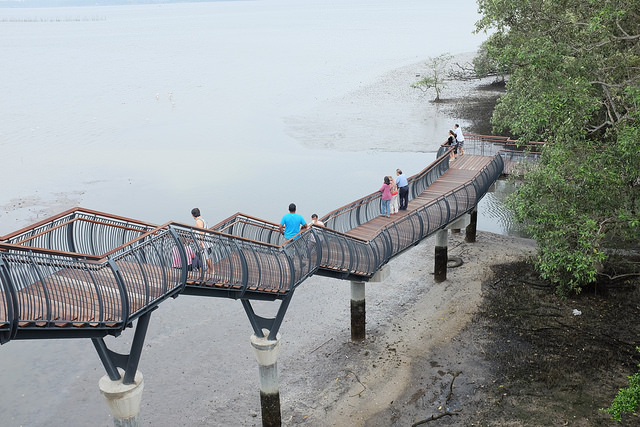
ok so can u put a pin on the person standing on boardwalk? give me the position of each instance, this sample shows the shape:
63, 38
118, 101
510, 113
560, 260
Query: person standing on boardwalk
394, 196
315, 221
386, 197
451, 141
207, 247
292, 223
459, 138
403, 190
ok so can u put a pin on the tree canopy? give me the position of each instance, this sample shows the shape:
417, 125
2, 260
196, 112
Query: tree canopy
574, 82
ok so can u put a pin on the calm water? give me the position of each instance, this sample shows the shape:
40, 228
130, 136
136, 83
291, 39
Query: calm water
148, 111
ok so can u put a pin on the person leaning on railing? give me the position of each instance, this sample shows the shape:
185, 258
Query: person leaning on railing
403, 190
315, 221
292, 223
451, 141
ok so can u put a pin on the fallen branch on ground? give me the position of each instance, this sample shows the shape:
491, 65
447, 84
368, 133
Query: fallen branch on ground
358, 379
434, 417
447, 412
450, 395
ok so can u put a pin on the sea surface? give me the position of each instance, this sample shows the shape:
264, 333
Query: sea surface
146, 111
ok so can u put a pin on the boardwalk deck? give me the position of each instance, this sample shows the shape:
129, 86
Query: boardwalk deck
461, 171
57, 290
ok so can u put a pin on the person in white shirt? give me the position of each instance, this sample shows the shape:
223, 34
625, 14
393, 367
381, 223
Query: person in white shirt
315, 221
459, 138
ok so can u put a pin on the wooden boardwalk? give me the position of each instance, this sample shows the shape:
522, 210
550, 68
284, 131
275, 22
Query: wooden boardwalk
49, 289
461, 171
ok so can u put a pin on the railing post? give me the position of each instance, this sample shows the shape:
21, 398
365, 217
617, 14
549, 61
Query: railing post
441, 256
358, 314
266, 352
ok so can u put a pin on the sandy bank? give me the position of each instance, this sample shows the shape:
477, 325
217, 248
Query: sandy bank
373, 383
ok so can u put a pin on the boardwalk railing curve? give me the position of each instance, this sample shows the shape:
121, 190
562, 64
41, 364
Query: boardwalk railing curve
85, 273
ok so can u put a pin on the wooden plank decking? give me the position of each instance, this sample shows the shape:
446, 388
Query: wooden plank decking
461, 171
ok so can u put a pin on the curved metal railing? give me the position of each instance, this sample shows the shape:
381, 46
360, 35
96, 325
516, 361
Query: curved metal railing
72, 294
514, 153
367, 208
80, 230
365, 258
87, 274
242, 266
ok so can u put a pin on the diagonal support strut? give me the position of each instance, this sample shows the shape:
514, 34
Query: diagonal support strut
272, 324
112, 360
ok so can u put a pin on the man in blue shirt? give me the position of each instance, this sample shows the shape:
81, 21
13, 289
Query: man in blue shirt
403, 190
292, 223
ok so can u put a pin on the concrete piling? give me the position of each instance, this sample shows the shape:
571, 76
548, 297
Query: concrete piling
123, 399
266, 352
358, 312
470, 230
441, 256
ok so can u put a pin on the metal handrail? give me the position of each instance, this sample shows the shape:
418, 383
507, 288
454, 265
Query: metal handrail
80, 230
252, 228
488, 145
367, 208
88, 273
365, 258
82, 295
243, 264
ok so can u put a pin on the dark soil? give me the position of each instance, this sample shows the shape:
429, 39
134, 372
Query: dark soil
526, 359
537, 362
478, 106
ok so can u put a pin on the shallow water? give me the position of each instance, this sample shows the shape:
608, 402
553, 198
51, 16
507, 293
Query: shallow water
148, 111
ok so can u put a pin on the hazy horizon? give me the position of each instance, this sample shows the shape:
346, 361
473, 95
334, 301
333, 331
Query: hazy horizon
91, 3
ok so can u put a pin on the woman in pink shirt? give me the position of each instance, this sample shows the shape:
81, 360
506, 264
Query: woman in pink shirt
386, 197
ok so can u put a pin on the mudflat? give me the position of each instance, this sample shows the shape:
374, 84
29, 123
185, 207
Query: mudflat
491, 346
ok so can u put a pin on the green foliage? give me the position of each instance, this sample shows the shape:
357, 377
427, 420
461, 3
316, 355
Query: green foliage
627, 400
486, 64
437, 67
574, 82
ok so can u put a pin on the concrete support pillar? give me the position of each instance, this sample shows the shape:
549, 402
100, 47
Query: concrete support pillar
441, 256
358, 315
123, 399
470, 231
266, 352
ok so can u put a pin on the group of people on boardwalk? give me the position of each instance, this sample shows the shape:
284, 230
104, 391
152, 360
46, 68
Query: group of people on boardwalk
290, 225
455, 139
394, 197
395, 194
